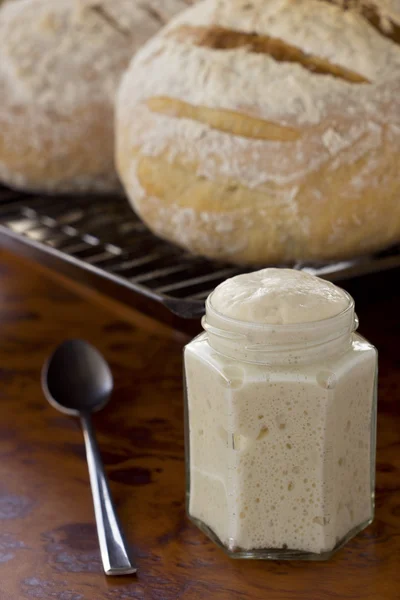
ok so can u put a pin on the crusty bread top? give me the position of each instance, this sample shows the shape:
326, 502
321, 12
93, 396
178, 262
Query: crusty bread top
60, 66
304, 66
59, 53
318, 30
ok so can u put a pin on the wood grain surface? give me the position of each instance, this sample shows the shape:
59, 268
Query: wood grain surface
48, 544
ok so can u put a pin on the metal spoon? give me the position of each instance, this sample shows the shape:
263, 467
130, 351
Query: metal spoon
77, 380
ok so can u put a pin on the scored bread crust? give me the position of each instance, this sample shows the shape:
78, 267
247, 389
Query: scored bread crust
273, 134
60, 65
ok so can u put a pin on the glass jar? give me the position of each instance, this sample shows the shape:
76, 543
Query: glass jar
280, 434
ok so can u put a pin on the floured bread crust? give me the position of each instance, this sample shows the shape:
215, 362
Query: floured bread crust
60, 65
273, 134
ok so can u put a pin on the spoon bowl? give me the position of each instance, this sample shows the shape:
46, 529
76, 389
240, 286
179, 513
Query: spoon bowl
77, 379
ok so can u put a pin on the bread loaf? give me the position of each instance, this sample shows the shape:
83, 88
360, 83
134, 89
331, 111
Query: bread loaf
60, 64
273, 134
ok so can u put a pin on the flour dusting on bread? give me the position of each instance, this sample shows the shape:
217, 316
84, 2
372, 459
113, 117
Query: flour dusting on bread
305, 66
61, 63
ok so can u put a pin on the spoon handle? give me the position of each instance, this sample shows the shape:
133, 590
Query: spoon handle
113, 547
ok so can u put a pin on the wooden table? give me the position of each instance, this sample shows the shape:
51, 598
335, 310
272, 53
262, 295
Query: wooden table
48, 544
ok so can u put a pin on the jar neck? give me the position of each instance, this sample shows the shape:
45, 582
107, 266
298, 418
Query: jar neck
291, 344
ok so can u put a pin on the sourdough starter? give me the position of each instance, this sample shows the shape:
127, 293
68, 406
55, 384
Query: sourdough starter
281, 417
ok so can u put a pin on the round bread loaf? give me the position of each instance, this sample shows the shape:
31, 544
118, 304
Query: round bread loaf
273, 134
60, 64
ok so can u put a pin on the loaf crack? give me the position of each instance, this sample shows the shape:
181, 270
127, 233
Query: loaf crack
220, 38
101, 12
154, 14
381, 22
228, 121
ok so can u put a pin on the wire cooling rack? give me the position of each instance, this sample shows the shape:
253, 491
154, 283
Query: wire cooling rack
100, 240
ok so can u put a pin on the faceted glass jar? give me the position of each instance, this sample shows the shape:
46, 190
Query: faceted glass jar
280, 435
